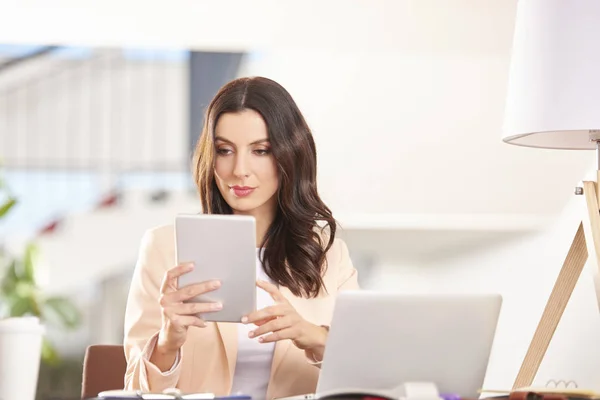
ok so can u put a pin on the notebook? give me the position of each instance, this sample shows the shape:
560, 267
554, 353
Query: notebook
559, 387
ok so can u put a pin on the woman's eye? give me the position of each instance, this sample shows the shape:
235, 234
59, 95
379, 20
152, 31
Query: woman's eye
223, 152
262, 152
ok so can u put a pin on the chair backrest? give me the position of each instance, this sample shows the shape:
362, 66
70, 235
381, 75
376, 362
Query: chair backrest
104, 368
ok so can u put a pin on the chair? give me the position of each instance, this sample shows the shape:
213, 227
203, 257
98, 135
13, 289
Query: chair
104, 368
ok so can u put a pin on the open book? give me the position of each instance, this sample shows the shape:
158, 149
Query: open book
565, 391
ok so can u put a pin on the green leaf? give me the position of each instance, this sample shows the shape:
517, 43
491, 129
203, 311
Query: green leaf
19, 306
26, 290
5, 208
10, 280
29, 262
49, 354
62, 311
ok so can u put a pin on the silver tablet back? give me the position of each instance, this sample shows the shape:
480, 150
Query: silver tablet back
222, 247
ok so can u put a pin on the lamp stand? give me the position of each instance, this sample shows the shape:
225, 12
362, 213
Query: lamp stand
589, 228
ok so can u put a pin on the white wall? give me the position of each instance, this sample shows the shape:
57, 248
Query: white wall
524, 272
418, 133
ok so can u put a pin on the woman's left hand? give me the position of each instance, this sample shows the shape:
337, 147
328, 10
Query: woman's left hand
282, 321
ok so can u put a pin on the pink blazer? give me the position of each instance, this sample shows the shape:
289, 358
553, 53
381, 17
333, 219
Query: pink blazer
209, 355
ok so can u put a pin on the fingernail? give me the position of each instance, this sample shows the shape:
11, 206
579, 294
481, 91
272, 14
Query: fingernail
244, 320
251, 334
260, 339
217, 306
217, 284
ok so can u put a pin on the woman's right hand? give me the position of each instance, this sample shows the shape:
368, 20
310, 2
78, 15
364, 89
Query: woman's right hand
177, 316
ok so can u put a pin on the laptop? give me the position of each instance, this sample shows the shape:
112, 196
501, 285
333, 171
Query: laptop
378, 341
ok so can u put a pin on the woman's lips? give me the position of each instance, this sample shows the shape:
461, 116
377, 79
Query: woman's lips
242, 191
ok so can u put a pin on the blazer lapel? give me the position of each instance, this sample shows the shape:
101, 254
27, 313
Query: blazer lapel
228, 333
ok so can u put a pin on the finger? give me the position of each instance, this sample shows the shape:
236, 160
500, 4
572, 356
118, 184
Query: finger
270, 312
272, 289
193, 308
188, 292
187, 320
272, 326
283, 334
170, 279
264, 321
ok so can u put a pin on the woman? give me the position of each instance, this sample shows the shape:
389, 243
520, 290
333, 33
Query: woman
256, 156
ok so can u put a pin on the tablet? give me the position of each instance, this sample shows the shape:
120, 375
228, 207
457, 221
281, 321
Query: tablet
222, 247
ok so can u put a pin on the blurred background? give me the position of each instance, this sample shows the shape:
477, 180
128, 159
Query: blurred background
102, 103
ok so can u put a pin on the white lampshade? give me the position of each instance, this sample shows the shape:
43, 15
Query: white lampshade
553, 98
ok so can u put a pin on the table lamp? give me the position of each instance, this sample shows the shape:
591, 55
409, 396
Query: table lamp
553, 102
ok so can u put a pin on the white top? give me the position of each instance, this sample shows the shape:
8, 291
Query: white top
253, 366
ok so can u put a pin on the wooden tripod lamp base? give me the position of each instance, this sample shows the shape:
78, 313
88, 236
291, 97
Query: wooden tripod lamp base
589, 228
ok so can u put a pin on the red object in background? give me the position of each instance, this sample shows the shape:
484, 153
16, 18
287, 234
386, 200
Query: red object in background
109, 201
50, 228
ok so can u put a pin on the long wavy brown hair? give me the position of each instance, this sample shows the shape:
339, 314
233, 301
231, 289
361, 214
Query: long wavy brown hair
303, 229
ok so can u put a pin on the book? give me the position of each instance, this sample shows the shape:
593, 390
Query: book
556, 387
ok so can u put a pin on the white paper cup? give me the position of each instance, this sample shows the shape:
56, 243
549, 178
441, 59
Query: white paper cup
20, 354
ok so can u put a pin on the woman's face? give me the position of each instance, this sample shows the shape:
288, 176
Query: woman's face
245, 169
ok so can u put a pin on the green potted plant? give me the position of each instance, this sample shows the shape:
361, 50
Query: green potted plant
24, 306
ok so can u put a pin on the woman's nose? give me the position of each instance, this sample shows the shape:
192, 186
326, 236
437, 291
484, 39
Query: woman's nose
241, 168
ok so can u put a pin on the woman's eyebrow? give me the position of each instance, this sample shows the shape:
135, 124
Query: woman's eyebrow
222, 139
260, 141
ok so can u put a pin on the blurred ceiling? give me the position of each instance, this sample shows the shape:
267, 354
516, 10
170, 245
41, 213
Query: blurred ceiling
451, 26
